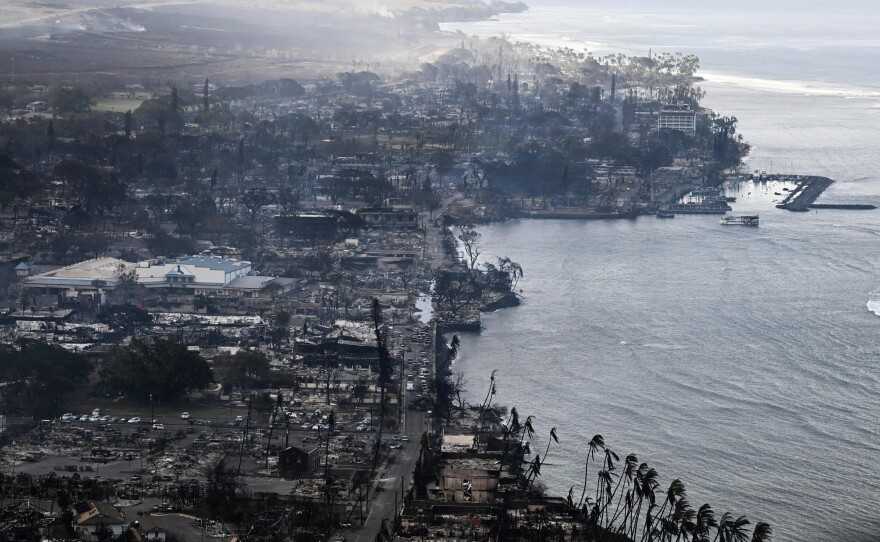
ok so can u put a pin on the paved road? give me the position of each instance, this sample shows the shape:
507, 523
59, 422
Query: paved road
398, 474
395, 479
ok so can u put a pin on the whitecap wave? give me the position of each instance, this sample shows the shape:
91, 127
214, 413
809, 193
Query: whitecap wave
874, 303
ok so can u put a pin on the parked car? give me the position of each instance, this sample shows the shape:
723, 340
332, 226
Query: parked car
185, 416
159, 426
136, 419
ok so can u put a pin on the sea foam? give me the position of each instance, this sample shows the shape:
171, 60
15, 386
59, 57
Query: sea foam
874, 303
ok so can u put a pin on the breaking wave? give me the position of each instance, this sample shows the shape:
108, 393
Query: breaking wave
874, 303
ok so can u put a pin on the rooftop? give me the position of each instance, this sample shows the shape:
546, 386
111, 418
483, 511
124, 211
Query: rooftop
213, 262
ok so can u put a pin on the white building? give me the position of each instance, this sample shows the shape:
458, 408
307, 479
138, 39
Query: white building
98, 278
90, 517
203, 274
678, 117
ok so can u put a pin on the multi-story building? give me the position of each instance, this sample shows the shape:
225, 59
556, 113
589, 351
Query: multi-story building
678, 117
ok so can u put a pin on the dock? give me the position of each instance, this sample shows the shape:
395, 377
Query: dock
708, 208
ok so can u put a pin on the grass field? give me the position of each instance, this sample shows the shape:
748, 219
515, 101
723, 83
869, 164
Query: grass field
120, 102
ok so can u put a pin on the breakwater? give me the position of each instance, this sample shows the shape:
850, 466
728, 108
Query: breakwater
807, 191
849, 206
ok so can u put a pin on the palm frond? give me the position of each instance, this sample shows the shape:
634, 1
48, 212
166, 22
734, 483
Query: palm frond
762, 533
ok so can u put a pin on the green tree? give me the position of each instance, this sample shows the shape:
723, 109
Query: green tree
141, 369
125, 318
39, 376
243, 369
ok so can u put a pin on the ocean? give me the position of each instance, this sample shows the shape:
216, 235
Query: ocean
743, 361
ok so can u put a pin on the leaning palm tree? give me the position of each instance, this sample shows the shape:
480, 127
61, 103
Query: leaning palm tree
762, 533
489, 394
528, 430
705, 521
648, 485
685, 517
534, 470
723, 527
603, 485
675, 493
737, 530
513, 427
603, 492
595, 443
629, 469
552, 438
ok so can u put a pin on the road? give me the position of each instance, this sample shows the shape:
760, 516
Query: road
396, 478
397, 475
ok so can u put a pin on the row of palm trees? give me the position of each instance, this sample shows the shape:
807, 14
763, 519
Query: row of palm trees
624, 499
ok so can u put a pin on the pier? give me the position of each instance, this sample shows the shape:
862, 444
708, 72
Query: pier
707, 208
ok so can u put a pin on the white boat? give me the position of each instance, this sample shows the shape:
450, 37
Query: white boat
743, 220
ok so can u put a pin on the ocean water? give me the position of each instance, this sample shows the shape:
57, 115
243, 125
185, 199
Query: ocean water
744, 361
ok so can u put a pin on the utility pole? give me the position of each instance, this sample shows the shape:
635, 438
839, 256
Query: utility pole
244, 436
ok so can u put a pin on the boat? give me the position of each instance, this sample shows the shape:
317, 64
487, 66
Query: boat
665, 214
743, 220
730, 198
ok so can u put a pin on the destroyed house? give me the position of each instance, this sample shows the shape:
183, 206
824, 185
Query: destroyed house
400, 217
465, 485
298, 461
307, 226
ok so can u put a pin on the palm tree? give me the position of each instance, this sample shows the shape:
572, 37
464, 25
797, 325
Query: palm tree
647, 485
685, 517
489, 394
551, 439
534, 470
675, 492
629, 470
762, 533
595, 443
513, 427
528, 430
603, 485
723, 527
547, 451
704, 522
737, 530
